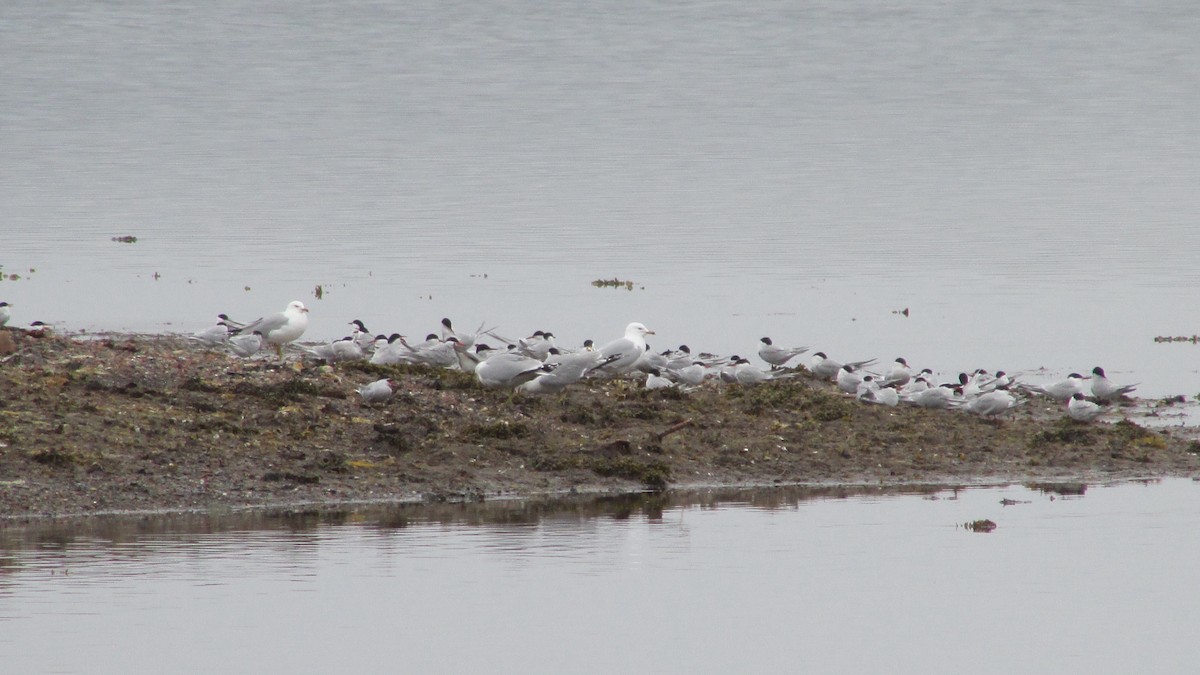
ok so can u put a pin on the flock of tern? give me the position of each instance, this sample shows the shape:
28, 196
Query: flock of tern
538, 365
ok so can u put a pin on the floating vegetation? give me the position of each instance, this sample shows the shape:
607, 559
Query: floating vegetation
984, 525
13, 276
615, 283
127, 239
319, 292
902, 312
1193, 339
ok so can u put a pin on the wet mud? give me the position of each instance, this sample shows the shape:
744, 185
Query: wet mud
140, 423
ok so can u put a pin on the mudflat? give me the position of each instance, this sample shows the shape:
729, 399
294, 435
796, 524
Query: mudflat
159, 423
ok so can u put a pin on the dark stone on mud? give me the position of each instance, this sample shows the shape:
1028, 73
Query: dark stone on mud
331, 461
615, 449
288, 476
53, 457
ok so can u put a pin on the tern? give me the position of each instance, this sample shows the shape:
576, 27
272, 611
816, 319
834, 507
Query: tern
693, 375
442, 354
991, 404
865, 387
377, 391
508, 370
362, 336
679, 358
932, 397
323, 352
875, 394
537, 346
1105, 389
826, 368
348, 349
969, 385
919, 383
448, 331
898, 375
567, 370
650, 361
5, 313
467, 338
747, 374
1082, 410
230, 322
1062, 390
655, 380
1001, 380
395, 351
246, 345
728, 372
213, 335
282, 327
777, 356
345, 349
848, 380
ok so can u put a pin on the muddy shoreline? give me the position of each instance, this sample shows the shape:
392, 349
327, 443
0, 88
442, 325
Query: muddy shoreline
133, 423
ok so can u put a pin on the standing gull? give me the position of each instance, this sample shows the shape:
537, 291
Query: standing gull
282, 327
628, 349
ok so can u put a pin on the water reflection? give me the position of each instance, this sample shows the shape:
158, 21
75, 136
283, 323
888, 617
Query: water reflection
298, 526
741, 580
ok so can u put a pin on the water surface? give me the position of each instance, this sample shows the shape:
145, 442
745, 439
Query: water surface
1074, 579
1021, 176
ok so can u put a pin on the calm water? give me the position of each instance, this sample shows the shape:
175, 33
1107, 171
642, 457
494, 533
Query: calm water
770, 581
1022, 176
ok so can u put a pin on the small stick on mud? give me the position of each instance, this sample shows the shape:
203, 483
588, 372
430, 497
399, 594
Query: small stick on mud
672, 429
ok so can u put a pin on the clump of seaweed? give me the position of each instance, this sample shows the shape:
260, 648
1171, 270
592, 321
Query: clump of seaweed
500, 430
653, 473
555, 462
1066, 431
614, 283
287, 391
55, 457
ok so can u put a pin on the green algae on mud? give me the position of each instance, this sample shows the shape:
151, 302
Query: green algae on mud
156, 422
